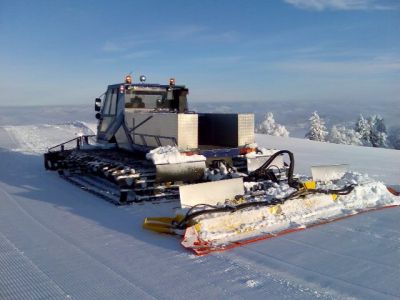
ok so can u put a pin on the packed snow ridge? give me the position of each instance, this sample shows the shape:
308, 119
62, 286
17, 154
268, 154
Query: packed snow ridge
36, 139
297, 212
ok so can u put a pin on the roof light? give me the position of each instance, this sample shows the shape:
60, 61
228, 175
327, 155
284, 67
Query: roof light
172, 81
128, 79
121, 88
142, 78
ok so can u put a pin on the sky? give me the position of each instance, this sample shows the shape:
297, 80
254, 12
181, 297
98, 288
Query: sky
67, 52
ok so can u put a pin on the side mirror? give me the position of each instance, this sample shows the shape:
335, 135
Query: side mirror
97, 104
98, 116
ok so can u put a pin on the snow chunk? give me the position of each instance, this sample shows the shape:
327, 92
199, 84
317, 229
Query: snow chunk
223, 171
369, 195
252, 145
261, 152
252, 283
171, 155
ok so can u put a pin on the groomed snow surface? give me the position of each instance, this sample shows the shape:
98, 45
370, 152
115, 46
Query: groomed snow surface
58, 242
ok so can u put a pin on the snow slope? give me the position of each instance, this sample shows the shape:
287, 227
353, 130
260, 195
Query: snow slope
38, 138
58, 242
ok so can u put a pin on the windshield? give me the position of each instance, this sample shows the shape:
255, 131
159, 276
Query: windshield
158, 98
149, 99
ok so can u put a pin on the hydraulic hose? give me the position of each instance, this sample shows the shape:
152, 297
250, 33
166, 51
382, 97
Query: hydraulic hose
193, 213
261, 173
262, 170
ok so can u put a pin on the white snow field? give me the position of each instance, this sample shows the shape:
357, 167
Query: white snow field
58, 242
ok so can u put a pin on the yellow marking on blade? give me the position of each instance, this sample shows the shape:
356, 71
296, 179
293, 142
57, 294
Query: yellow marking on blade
275, 210
309, 203
197, 227
245, 230
163, 220
161, 224
310, 185
179, 218
238, 200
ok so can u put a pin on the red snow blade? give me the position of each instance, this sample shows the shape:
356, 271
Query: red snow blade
192, 240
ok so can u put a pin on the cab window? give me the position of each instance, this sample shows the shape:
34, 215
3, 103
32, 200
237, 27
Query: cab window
113, 104
110, 103
144, 99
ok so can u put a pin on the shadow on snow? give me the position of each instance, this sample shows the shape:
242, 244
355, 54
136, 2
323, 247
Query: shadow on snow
28, 181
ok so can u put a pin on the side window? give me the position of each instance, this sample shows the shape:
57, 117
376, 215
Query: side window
107, 101
110, 103
113, 104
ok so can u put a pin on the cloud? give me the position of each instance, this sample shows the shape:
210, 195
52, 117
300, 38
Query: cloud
112, 47
190, 33
170, 34
218, 37
139, 54
372, 66
219, 60
320, 5
181, 31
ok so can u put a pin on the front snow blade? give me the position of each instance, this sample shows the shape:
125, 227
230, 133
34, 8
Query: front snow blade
210, 193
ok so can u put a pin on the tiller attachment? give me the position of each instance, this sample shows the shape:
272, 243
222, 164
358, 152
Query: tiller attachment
220, 215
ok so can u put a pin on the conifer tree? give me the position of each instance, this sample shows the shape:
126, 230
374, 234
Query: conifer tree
270, 127
317, 130
364, 129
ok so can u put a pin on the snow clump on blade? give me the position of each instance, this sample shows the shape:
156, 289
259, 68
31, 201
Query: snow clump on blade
171, 155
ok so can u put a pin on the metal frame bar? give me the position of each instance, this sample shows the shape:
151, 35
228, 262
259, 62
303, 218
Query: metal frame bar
141, 123
156, 137
78, 140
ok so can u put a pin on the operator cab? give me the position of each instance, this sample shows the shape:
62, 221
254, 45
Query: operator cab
141, 116
140, 96
172, 98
